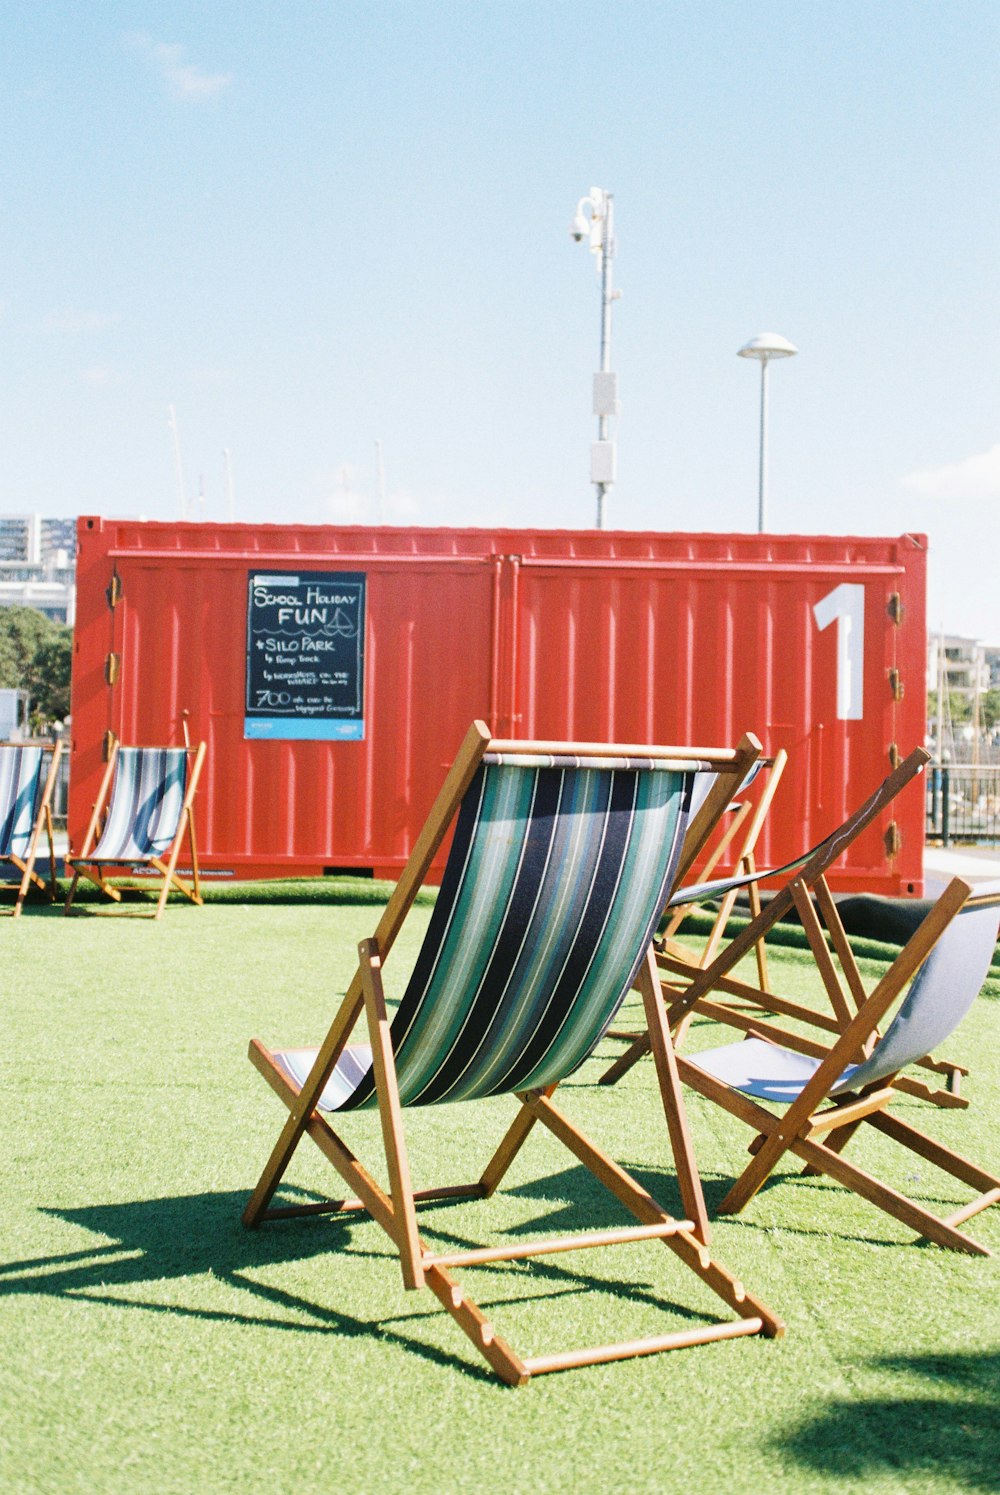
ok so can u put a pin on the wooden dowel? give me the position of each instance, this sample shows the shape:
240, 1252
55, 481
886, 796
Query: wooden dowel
352, 1206
557, 1243
973, 1207
723, 758
825, 1121
537, 1365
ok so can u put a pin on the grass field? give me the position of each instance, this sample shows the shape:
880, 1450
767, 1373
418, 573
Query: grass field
149, 1343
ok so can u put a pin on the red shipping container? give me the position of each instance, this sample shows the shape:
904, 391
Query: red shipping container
611, 636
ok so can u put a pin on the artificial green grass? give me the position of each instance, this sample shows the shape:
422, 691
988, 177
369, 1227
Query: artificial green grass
150, 1343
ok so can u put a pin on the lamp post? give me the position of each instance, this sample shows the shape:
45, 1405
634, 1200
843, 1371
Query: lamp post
769, 345
597, 228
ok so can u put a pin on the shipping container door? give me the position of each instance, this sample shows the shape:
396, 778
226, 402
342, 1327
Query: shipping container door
697, 653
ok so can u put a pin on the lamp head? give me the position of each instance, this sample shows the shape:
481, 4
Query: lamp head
767, 346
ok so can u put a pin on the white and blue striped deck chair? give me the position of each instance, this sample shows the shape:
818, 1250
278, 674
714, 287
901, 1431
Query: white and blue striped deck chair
562, 858
827, 1092
26, 810
144, 813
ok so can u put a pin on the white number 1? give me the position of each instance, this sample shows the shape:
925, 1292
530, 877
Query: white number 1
846, 604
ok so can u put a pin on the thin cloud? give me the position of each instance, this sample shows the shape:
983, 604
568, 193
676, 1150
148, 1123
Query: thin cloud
185, 80
100, 376
977, 479
72, 323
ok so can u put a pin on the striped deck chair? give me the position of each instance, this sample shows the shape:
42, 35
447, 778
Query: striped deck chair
142, 816
25, 811
560, 864
829, 1091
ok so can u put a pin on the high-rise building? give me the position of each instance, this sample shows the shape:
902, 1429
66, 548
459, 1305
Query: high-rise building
38, 564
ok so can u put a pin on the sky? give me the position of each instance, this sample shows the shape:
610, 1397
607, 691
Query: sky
309, 226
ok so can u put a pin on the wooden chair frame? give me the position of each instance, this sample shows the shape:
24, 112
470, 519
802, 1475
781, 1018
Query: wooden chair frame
396, 1211
43, 821
166, 865
744, 865
815, 1127
745, 814
700, 981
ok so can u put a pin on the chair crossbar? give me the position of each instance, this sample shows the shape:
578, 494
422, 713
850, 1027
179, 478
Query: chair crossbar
992, 1196
843, 1115
357, 1206
537, 1365
554, 1244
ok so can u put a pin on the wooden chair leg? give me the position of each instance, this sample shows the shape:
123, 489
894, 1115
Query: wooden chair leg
636, 1051
688, 1178
836, 1142
941, 1232
390, 1112
510, 1145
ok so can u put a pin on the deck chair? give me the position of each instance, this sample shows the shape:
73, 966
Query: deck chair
141, 818
25, 811
830, 1091
560, 864
741, 830
689, 989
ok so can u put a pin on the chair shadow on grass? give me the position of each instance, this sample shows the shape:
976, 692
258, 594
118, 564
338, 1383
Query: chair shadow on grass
152, 1241
951, 1433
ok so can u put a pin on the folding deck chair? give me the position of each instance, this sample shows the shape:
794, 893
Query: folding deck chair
831, 1090
747, 817
141, 818
560, 864
710, 989
25, 810
739, 811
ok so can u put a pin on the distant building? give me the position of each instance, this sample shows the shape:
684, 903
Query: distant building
38, 564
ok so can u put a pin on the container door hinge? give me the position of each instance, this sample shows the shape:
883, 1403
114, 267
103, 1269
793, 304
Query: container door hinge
896, 685
893, 755
112, 667
893, 841
114, 591
107, 744
896, 610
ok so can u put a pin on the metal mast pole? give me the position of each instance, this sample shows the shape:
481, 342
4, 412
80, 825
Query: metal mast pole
607, 296
762, 479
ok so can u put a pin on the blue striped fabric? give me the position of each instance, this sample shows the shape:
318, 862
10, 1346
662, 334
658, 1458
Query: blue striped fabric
554, 884
147, 795
20, 787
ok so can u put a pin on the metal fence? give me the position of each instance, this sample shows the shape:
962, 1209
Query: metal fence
963, 803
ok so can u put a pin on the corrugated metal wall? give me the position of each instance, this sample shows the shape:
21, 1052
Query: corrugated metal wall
814, 643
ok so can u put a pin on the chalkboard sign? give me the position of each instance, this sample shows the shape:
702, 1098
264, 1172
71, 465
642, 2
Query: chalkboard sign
305, 654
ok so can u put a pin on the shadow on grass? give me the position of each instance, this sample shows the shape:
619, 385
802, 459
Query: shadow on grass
952, 1432
149, 1242
191, 1235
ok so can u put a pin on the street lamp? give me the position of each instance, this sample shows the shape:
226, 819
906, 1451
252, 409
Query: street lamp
769, 345
596, 226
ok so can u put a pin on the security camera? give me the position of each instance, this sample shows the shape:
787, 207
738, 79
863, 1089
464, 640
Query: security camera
579, 229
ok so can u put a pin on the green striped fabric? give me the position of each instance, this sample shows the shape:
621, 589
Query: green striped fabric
555, 881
